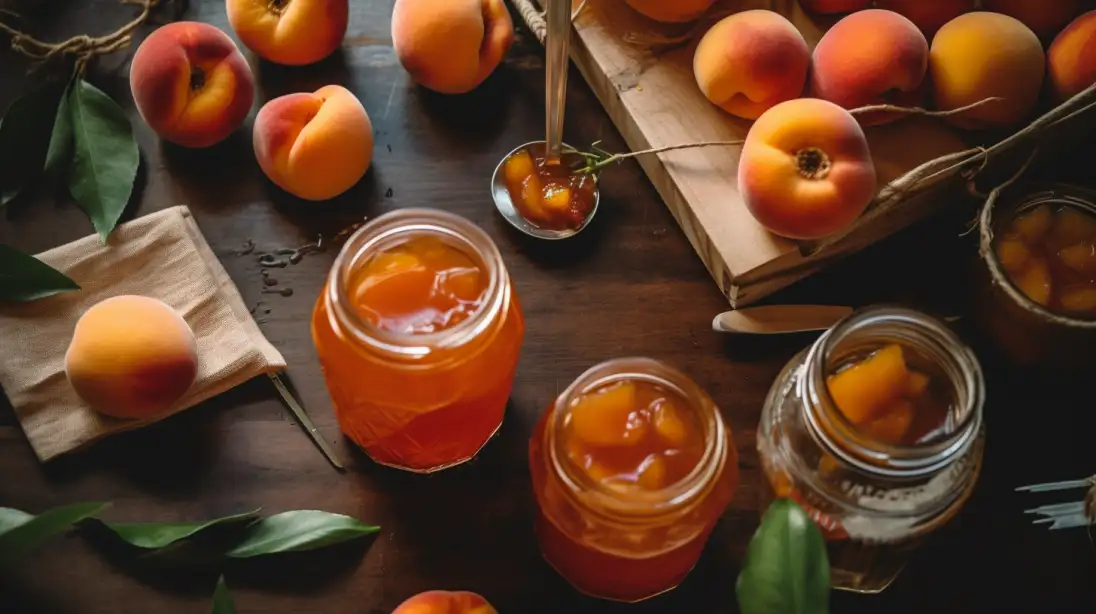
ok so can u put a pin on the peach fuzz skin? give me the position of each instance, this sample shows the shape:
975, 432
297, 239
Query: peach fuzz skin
871, 57
925, 14
1045, 17
191, 84
829, 7
451, 46
750, 61
982, 55
806, 171
1071, 59
445, 602
671, 11
131, 357
314, 146
290, 32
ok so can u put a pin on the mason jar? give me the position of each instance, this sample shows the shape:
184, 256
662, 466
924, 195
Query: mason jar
418, 402
874, 501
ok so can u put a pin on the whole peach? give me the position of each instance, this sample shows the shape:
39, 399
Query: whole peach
671, 11
1071, 59
291, 32
871, 57
315, 146
451, 46
191, 84
928, 15
1045, 17
750, 61
983, 55
829, 7
445, 602
131, 357
806, 171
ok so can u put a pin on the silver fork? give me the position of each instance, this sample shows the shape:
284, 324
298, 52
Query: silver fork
1065, 515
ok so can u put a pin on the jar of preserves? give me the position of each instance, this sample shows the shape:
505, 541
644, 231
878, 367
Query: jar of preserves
876, 430
631, 466
418, 332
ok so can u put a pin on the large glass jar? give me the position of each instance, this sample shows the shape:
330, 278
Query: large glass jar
874, 501
418, 401
628, 544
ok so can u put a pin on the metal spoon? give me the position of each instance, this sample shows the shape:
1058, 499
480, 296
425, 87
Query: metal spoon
557, 63
782, 319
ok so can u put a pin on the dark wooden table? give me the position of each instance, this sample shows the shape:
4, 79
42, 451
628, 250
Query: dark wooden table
630, 286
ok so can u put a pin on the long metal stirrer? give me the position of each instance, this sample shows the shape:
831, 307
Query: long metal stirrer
305, 421
1065, 515
558, 60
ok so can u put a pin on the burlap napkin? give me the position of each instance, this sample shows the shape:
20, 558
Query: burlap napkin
162, 255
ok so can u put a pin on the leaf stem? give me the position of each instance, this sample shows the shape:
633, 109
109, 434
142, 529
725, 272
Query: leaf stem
83, 47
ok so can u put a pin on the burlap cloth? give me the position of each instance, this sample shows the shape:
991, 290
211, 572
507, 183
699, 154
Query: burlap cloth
162, 255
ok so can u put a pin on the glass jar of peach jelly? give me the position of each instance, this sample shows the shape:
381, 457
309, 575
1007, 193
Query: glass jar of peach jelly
418, 331
632, 466
876, 430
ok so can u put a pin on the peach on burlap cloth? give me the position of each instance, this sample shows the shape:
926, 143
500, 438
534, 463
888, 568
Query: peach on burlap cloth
163, 256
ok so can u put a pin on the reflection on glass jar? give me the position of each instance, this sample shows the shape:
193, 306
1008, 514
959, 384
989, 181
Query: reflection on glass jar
632, 466
876, 430
418, 331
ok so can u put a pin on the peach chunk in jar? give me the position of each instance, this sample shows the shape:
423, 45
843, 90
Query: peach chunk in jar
633, 434
550, 196
887, 400
1049, 254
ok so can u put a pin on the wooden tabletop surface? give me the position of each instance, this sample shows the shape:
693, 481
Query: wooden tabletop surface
630, 285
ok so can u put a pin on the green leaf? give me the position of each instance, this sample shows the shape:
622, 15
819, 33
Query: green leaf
26, 278
59, 153
161, 535
18, 541
105, 159
787, 570
299, 530
222, 600
24, 138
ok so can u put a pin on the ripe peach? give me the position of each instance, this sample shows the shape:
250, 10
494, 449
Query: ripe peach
451, 46
671, 11
828, 7
191, 84
982, 55
1071, 59
445, 602
750, 61
292, 32
806, 171
315, 146
928, 15
131, 357
1045, 17
871, 57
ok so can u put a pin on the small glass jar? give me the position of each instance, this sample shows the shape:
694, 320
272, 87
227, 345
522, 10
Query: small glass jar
873, 501
419, 402
628, 546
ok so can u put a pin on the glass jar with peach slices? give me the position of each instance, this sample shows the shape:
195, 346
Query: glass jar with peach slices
418, 330
876, 430
632, 466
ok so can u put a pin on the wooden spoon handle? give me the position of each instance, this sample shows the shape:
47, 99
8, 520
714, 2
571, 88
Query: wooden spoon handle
779, 319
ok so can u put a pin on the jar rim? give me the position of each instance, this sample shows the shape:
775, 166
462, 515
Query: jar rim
838, 435
642, 505
400, 224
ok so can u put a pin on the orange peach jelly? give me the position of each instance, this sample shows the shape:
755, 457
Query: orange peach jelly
419, 417
1049, 254
628, 437
887, 400
549, 196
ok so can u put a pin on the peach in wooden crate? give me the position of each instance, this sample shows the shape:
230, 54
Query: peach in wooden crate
929, 15
671, 11
445, 602
806, 171
828, 7
871, 57
451, 46
291, 32
1045, 17
1071, 58
315, 146
131, 357
191, 84
981, 55
751, 61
